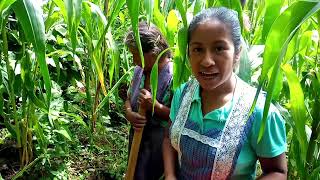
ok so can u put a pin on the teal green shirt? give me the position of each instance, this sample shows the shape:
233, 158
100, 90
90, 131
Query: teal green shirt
271, 145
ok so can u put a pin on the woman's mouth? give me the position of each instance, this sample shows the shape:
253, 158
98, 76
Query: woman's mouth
208, 75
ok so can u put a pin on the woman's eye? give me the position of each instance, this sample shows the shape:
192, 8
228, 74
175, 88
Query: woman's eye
197, 50
219, 48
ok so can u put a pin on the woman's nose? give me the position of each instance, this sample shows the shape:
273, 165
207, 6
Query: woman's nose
208, 59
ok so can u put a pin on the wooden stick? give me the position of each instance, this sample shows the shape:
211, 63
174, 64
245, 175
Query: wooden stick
134, 151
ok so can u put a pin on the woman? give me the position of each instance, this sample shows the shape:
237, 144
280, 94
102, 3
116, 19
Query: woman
212, 135
150, 162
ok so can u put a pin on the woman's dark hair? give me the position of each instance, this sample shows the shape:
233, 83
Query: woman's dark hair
151, 40
224, 15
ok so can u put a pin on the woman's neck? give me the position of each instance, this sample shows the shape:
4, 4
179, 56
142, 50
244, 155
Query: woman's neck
218, 97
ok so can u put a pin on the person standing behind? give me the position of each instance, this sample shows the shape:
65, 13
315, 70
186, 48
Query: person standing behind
212, 135
150, 162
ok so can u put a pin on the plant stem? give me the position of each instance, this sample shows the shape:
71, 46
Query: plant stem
10, 82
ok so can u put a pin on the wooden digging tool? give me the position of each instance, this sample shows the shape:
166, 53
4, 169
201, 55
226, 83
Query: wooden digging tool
135, 146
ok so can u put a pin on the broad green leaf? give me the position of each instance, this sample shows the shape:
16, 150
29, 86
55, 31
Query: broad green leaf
29, 14
182, 41
272, 12
298, 108
64, 132
133, 7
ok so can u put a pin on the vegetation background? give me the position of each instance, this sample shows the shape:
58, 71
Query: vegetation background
65, 71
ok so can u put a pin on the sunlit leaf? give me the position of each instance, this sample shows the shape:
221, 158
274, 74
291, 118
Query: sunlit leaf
64, 132
298, 108
275, 51
272, 12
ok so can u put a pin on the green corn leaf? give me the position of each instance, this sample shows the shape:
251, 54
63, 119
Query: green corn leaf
298, 108
278, 86
182, 41
111, 91
183, 11
198, 6
133, 7
154, 78
115, 57
62, 8
283, 30
272, 12
291, 20
73, 8
4, 6
292, 48
30, 15
115, 12
315, 173
55, 17
148, 5
159, 19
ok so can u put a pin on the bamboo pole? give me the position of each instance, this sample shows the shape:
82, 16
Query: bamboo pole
134, 151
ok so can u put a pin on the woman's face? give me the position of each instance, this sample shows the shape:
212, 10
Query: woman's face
149, 59
212, 54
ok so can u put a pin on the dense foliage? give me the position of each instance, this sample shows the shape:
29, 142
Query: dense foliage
65, 71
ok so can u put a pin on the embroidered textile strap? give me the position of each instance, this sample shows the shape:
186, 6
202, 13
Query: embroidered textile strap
233, 132
182, 115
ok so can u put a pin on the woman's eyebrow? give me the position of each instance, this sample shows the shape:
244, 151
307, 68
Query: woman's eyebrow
195, 43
